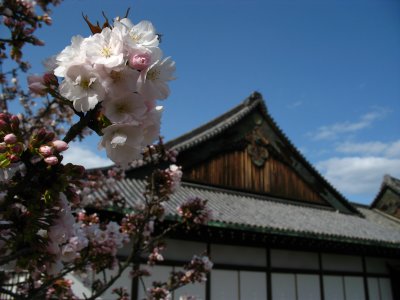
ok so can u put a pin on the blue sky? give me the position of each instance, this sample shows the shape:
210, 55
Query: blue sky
328, 70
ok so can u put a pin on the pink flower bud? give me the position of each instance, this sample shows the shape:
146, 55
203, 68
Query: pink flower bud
60, 146
47, 19
51, 160
14, 122
13, 158
46, 150
139, 61
10, 138
3, 125
36, 85
38, 42
5, 117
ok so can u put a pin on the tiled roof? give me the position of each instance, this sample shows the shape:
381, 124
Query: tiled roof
264, 214
388, 182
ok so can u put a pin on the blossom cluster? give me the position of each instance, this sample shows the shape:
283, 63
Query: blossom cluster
197, 269
104, 240
194, 211
61, 289
11, 146
67, 238
121, 67
158, 292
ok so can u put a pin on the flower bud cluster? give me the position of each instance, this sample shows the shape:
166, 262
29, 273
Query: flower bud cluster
158, 292
120, 68
163, 183
132, 223
49, 151
61, 289
39, 85
11, 146
156, 256
157, 153
68, 237
197, 269
44, 144
175, 175
194, 211
104, 240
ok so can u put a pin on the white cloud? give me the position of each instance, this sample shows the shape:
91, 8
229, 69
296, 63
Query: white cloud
294, 105
358, 175
81, 155
332, 131
391, 149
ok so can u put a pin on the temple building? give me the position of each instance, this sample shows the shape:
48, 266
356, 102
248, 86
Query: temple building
280, 230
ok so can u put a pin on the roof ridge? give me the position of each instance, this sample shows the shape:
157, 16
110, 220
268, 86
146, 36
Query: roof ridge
388, 181
263, 197
205, 131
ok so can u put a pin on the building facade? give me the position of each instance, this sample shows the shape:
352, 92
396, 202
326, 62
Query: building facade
279, 231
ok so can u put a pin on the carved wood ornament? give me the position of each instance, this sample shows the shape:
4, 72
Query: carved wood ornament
257, 147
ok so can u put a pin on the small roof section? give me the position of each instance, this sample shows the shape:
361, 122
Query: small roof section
388, 197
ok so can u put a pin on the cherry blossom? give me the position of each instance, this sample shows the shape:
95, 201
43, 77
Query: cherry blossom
123, 142
131, 108
83, 86
70, 56
142, 34
106, 49
153, 82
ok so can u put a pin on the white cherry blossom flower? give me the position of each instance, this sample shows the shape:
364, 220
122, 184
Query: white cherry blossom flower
151, 126
83, 86
71, 55
105, 48
142, 34
122, 82
152, 83
123, 143
131, 108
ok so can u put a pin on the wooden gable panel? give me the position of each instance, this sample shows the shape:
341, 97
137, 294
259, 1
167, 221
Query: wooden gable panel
236, 170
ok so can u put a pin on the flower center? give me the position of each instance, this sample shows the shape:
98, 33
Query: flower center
85, 83
136, 37
120, 108
106, 52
